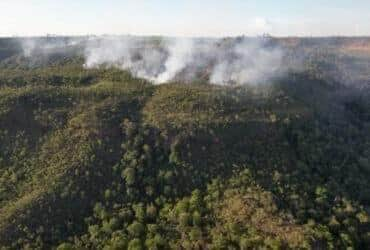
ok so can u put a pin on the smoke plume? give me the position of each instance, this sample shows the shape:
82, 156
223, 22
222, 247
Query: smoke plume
220, 61
240, 62
247, 62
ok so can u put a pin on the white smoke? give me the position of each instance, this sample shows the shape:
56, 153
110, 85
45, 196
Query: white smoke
238, 61
158, 61
180, 55
28, 47
247, 62
46, 45
222, 61
136, 55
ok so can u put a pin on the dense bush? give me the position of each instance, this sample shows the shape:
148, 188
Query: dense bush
97, 159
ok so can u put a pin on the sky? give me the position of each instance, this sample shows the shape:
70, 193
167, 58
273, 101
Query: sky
185, 17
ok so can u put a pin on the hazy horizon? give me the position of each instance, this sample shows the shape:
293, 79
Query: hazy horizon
174, 36
288, 18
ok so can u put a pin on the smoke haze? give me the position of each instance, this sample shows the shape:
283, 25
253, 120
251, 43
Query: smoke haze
159, 60
163, 60
44, 46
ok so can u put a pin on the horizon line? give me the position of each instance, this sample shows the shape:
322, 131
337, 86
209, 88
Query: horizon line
266, 35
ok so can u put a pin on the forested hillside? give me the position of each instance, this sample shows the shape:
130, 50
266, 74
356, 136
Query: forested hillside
100, 159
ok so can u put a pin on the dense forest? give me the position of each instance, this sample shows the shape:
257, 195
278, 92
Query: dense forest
97, 158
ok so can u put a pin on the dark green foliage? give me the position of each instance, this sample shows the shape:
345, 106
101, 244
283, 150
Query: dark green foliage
97, 159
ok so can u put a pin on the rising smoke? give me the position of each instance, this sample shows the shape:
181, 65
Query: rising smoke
143, 59
242, 61
160, 60
247, 62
